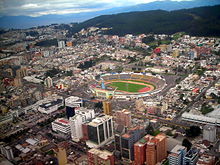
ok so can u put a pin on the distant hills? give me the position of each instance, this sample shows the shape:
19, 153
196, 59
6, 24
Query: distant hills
168, 5
202, 21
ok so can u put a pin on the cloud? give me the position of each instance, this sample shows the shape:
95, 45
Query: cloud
44, 7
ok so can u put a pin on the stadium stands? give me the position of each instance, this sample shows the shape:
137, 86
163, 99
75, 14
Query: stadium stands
157, 81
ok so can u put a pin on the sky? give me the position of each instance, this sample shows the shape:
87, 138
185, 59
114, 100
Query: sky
36, 8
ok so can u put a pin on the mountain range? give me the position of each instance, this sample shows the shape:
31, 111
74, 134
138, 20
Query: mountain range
20, 22
201, 21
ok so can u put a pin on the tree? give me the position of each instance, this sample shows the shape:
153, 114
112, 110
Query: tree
149, 129
52, 72
193, 131
186, 143
148, 39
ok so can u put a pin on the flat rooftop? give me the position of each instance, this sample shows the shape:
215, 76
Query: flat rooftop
177, 148
99, 120
102, 154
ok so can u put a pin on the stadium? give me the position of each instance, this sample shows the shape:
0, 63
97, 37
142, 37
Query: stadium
127, 85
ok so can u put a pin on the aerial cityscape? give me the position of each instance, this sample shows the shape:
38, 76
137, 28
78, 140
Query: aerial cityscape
117, 83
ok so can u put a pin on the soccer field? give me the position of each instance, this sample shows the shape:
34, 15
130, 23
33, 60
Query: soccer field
127, 86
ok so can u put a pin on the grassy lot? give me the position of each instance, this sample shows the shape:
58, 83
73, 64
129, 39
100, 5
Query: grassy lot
128, 87
141, 82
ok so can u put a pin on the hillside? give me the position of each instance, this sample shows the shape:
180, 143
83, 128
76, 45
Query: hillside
202, 21
25, 21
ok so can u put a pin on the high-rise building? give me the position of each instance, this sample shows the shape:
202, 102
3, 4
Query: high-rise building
61, 44
71, 103
98, 157
191, 157
107, 107
156, 149
123, 118
61, 156
177, 154
161, 147
85, 132
61, 125
119, 131
140, 152
100, 131
82, 115
151, 153
48, 82
6, 151
127, 142
209, 133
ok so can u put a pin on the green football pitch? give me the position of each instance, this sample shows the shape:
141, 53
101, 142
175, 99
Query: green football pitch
128, 87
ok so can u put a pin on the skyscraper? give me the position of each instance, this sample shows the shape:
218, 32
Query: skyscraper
151, 152
100, 131
177, 154
61, 156
140, 152
82, 115
127, 142
107, 107
98, 157
6, 151
161, 147
156, 149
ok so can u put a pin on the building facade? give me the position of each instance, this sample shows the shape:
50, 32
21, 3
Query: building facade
51, 106
107, 107
209, 133
6, 151
191, 157
98, 157
123, 117
177, 154
128, 140
139, 152
82, 115
48, 82
100, 131
61, 125
156, 149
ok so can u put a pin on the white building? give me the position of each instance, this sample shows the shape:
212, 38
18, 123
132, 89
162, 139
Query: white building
51, 106
6, 151
73, 101
100, 131
177, 154
61, 44
82, 115
209, 133
61, 125
48, 82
